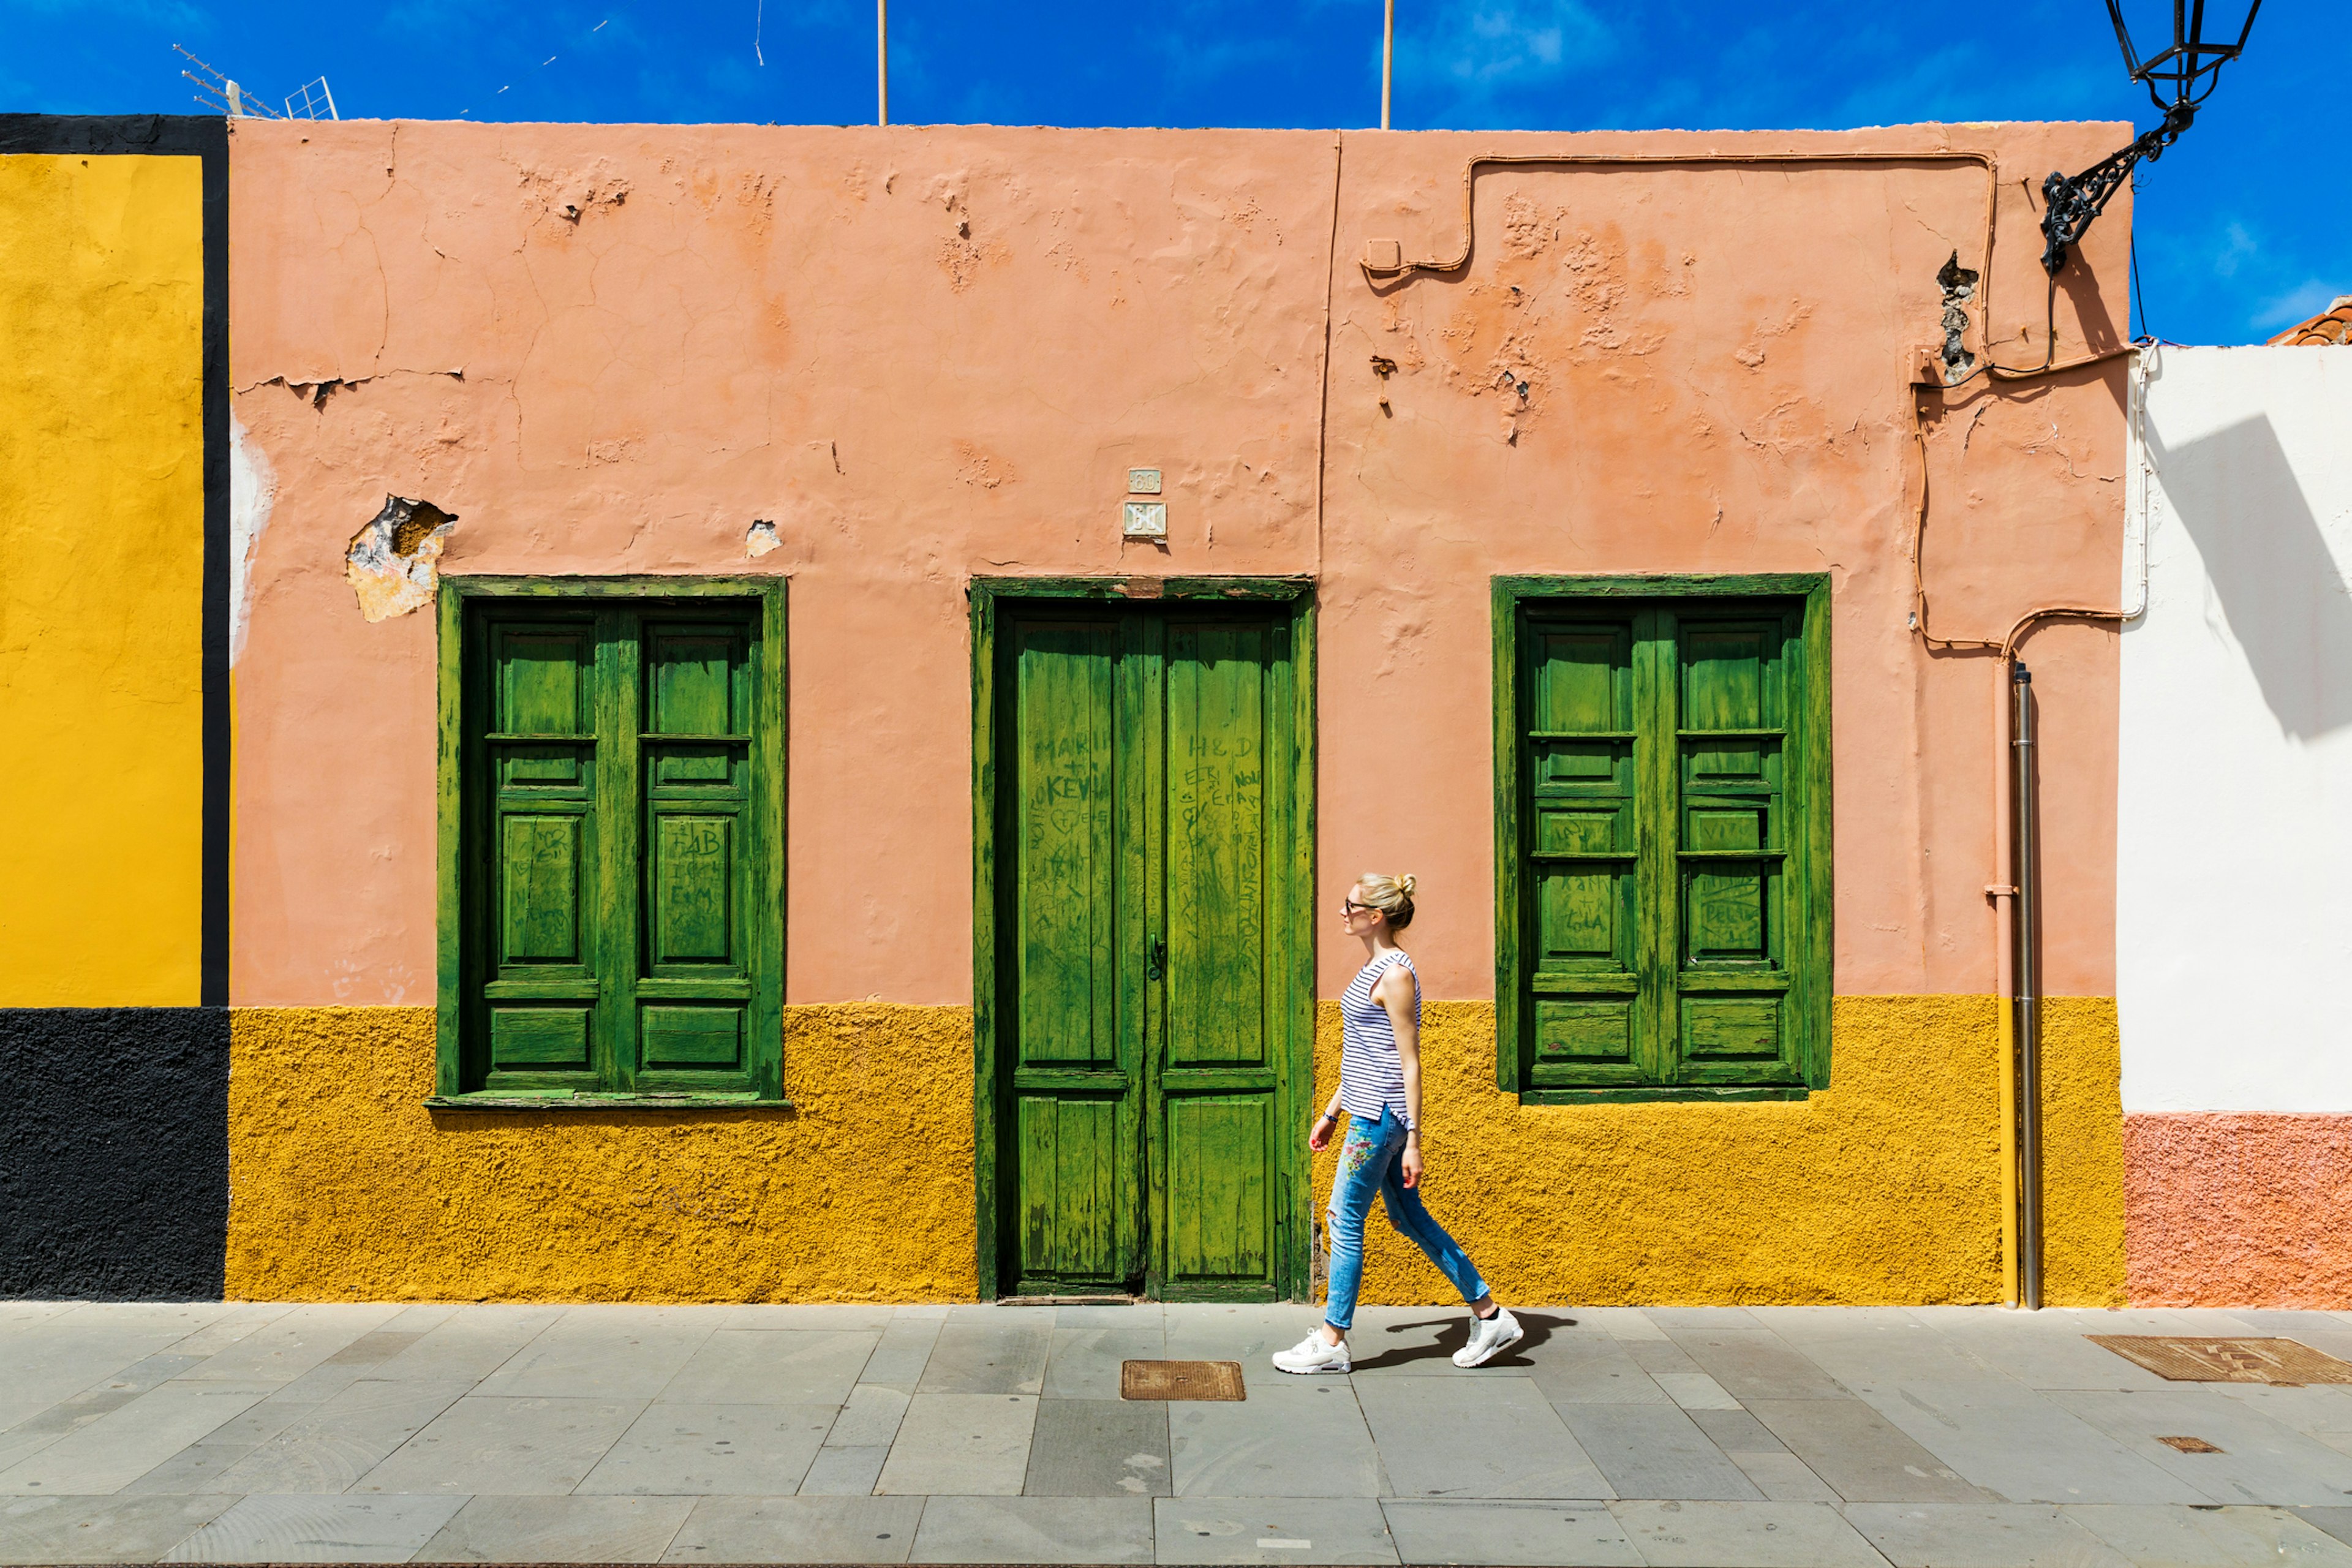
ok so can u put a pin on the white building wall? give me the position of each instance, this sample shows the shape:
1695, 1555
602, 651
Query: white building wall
2234, 853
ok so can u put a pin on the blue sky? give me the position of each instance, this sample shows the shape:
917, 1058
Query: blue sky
2243, 228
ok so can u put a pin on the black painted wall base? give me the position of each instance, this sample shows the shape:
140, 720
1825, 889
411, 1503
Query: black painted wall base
114, 1152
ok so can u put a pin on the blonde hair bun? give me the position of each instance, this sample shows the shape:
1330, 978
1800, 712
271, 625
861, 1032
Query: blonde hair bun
1406, 883
1393, 896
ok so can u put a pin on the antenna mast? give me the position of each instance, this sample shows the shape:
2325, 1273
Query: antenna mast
225, 93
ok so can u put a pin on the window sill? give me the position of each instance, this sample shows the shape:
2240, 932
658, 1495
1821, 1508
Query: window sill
1688, 1094
567, 1100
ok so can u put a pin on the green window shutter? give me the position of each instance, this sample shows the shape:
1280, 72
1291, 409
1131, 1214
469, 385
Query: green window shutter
543, 953
616, 801
699, 850
1585, 823
1723, 945
1663, 869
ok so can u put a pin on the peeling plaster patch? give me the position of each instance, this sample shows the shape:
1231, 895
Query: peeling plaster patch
1753, 354
1959, 286
1527, 228
981, 468
959, 258
316, 393
759, 539
572, 194
393, 564
252, 492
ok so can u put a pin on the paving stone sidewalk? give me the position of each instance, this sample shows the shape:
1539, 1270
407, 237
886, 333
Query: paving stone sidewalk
1812, 1437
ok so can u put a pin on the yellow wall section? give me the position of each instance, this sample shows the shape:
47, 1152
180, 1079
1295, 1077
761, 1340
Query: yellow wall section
343, 1187
1883, 1188
2082, 1152
102, 569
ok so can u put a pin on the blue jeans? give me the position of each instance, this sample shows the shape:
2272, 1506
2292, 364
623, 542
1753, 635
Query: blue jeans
1369, 1165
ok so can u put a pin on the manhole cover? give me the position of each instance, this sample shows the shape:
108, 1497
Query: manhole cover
2185, 1359
1180, 1380
2190, 1445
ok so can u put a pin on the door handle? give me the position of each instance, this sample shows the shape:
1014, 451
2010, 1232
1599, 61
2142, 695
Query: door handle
1156, 966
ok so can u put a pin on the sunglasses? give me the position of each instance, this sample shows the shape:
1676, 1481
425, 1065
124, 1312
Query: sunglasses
1350, 908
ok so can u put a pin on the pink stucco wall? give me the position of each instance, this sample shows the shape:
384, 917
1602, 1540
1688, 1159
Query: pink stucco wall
927, 353
2238, 1208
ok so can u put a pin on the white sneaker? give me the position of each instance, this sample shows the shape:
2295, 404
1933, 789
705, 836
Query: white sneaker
1312, 1354
1489, 1337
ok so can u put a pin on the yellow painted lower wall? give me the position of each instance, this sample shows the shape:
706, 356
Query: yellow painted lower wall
1883, 1188
344, 1187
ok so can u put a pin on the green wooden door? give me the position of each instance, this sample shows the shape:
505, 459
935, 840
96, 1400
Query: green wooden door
1076, 991
1146, 866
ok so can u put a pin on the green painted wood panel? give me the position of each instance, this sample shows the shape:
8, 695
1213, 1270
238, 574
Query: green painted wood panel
1066, 888
1661, 758
540, 888
693, 894
540, 1036
1585, 819
543, 961
1220, 1200
1215, 834
1075, 1231
1217, 1087
698, 849
1730, 716
1077, 1127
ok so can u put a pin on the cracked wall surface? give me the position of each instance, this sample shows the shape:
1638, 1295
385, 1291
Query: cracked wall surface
1717, 363
922, 355
774, 325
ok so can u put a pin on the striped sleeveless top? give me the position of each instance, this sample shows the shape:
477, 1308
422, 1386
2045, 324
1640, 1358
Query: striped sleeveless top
1372, 1074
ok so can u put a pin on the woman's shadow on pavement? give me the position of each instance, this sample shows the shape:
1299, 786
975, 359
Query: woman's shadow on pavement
1455, 1334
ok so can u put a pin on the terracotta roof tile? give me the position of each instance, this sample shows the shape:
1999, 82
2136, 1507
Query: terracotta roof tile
2333, 325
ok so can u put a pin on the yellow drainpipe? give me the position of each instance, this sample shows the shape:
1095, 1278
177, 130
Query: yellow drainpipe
2005, 976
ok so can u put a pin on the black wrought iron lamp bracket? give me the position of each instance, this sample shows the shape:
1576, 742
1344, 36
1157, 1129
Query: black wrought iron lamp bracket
2070, 204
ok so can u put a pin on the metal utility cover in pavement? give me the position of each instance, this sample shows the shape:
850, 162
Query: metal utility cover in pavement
1181, 1380
2185, 1359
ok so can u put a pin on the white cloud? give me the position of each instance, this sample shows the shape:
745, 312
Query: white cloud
2299, 303
2236, 246
1479, 45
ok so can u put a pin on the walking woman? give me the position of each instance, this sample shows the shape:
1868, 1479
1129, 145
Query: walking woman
1379, 1088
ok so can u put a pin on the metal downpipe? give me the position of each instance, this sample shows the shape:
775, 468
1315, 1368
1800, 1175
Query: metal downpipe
2026, 966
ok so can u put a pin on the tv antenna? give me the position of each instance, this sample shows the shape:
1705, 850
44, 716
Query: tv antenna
225, 93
